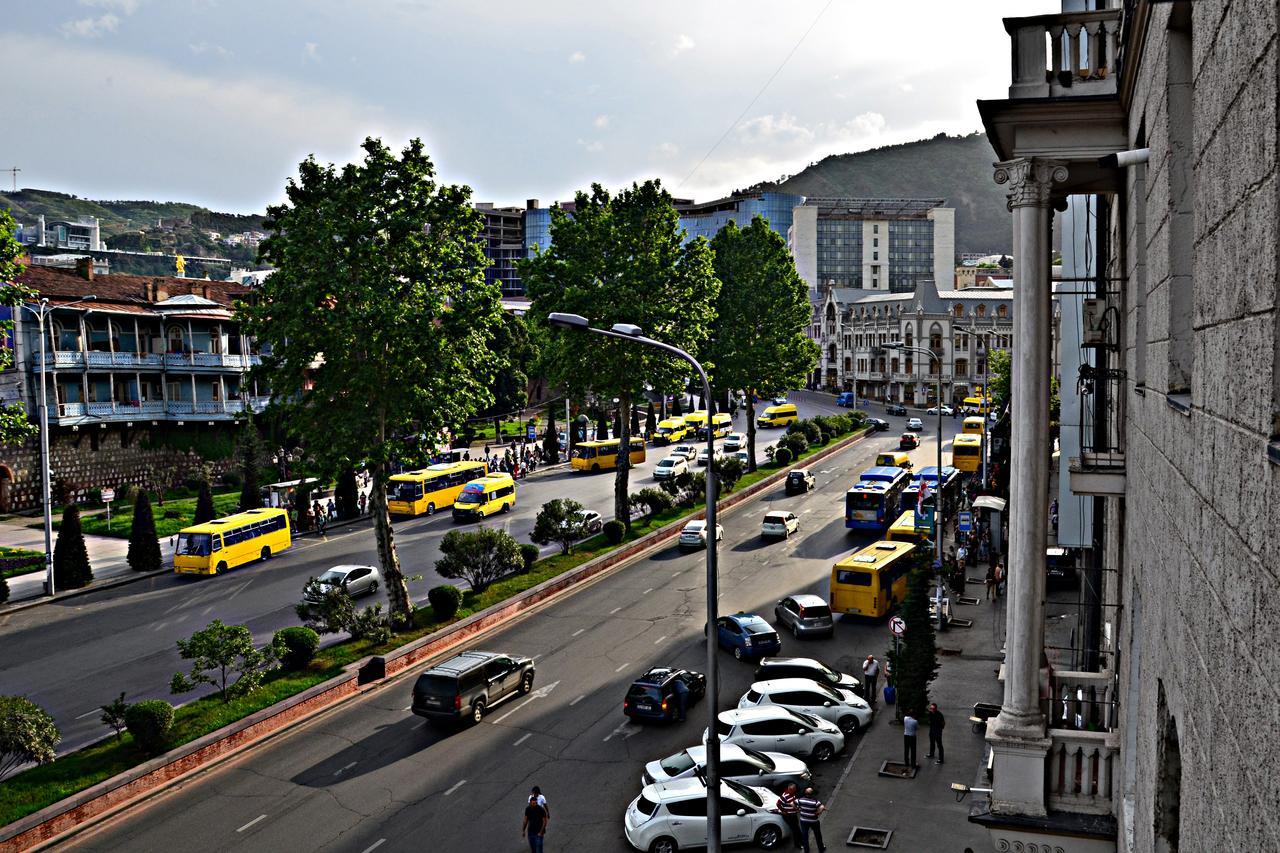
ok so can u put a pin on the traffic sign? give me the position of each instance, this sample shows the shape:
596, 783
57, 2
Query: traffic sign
898, 626
531, 433
964, 522
108, 495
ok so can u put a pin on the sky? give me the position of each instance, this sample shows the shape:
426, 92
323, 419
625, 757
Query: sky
217, 101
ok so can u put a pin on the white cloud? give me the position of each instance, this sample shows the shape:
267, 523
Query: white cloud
666, 149
124, 7
577, 56
601, 122
593, 145
906, 87
311, 52
683, 43
203, 47
771, 129
91, 27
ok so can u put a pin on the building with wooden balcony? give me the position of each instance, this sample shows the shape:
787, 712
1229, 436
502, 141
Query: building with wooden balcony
1147, 134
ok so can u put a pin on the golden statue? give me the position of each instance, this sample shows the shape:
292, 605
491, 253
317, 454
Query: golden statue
180, 263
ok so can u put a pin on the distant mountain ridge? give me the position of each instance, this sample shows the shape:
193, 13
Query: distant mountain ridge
957, 168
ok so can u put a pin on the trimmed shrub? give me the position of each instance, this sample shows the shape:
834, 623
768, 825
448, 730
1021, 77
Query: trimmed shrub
149, 722
70, 556
445, 601
797, 443
295, 646
144, 548
371, 624
529, 554
614, 530
783, 456
652, 500
204, 504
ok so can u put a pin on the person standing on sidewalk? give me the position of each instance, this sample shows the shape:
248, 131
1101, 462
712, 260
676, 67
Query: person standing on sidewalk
991, 582
811, 809
534, 827
936, 724
870, 674
790, 811
909, 727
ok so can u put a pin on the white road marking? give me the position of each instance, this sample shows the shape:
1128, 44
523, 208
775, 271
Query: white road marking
205, 612
647, 591
342, 770
240, 589
810, 509
159, 625
523, 738
614, 610
252, 822
621, 667
576, 701
660, 639
459, 784
89, 713
540, 693
619, 730
577, 632
375, 845
677, 574
407, 708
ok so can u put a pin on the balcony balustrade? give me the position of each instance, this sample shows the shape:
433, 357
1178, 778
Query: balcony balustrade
130, 360
1081, 770
1071, 54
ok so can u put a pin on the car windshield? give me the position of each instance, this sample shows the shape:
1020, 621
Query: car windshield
645, 805
471, 498
765, 761
804, 718
194, 544
332, 578
828, 692
666, 463
827, 672
676, 764
436, 685
744, 792
723, 728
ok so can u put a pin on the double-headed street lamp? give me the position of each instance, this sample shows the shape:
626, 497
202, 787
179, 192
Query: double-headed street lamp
937, 490
629, 332
42, 310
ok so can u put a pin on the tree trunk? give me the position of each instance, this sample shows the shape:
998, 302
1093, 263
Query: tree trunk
397, 589
751, 431
497, 430
620, 508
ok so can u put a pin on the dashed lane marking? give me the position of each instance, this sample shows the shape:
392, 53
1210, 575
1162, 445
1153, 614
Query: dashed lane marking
89, 713
659, 640
375, 845
677, 574
458, 785
647, 591
252, 822
614, 610
576, 701
524, 737
577, 632
621, 667
342, 770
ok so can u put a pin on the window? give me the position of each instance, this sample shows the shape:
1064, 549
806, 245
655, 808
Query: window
958, 310
1182, 192
689, 808
770, 727
981, 311
1002, 312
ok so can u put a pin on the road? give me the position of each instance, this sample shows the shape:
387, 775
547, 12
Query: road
371, 775
73, 656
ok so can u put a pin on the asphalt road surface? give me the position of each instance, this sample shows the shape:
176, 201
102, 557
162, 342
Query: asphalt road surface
72, 656
371, 775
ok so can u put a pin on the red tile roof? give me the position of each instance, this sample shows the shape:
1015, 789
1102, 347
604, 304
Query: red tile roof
64, 284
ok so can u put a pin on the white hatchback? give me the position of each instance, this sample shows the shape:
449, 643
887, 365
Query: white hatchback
694, 534
735, 441
779, 524
777, 729
688, 451
845, 708
671, 816
672, 466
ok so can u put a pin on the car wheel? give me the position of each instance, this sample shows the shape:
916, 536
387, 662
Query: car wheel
823, 752
737, 653
595, 468
769, 837
373, 587
665, 844
506, 507
220, 568
266, 553
849, 725
477, 714
795, 631
526, 683
431, 509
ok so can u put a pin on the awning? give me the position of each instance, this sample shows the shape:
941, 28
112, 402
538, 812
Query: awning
990, 502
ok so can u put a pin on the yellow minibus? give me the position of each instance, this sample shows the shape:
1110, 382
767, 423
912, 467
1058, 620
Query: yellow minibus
224, 543
603, 455
433, 488
894, 459
721, 425
778, 416
905, 530
976, 405
696, 420
972, 426
873, 581
670, 431
485, 496
966, 453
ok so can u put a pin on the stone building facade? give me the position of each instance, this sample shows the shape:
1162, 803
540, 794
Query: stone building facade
1164, 116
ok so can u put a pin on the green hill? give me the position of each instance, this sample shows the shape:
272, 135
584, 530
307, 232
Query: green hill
957, 168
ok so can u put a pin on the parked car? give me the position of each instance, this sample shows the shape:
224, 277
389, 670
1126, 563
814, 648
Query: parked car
779, 729
652, 696
694, 534
769, 769
811, 668
804, 615
703, 456
946, 410
688, 451
747, 635
878, 424
779, 524
592, 523
845, 708
356, 580
468, 685
672, 466
779, 401
665, 817
915, 424
896, 409
799, 482
734, 441
909, 441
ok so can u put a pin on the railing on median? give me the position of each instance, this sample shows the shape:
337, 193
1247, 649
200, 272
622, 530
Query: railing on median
1064, 55
1082, 770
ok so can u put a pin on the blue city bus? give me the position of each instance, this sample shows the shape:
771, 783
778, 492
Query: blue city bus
873, 503
950, 488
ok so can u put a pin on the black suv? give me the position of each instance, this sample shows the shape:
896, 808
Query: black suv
895, 409
467, 685
652, 696
799, 482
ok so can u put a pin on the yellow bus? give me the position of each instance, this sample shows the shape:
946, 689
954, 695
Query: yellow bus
696, 420
433, 488
873, 581
905, 530
721, 425
972, 426
778, 416
670, 431
603, 455
966, 453
976, 405
485, 496
224, 543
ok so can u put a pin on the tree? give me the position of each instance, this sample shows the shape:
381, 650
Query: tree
113, 714
346, 497
651, 421
551, 441
917, 660
378, 316
999, 370
204, 505
517, 351
70, 556
326, 608
250, 460
144, 547
222, 656
14, 425
560, 520
728, 471
28, 734
759, 342
623, 259
479, 556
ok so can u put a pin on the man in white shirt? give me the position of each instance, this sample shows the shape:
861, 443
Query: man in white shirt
870, 674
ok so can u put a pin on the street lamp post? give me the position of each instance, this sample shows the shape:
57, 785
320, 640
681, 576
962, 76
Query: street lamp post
937, 490
629, 332
43, 310
984, 336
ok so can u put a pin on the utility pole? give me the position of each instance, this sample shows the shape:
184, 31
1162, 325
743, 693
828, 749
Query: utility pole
13, 174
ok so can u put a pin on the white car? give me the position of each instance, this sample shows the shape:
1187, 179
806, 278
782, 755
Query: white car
735, 441
779, 524
845, 708
672, 466
688, 451
742, 456
672, 816
694, 534
769, 769
356, 580
592, 522
946, 410
703, 456
915, 425
778, 729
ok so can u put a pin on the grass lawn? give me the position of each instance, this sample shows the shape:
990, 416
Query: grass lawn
122, 516
42, 786
20, 561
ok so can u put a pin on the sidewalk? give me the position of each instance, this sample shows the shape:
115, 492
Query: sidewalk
106, 556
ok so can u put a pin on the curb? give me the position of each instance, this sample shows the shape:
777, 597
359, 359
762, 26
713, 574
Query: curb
112, 796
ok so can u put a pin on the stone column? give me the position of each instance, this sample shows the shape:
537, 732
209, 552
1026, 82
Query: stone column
1017, 735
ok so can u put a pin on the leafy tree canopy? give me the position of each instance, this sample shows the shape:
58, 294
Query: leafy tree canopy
14, 426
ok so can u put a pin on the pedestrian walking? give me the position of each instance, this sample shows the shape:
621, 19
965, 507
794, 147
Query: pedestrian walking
962, 554
998, 571
534, 827
682, 699
363, 501
811, 809
870, 674
790, 811
536, 793
937, 723
909, 727
991, 582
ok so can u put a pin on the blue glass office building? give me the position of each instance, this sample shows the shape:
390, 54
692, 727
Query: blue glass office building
707, 218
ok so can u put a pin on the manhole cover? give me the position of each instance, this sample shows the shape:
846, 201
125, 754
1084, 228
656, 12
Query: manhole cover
950, 652
897, 770
960, 623
968, 599
866, 836
978, 581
